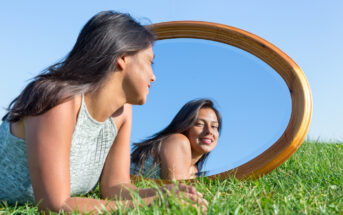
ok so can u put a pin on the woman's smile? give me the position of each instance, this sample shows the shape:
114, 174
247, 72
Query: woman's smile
206, 140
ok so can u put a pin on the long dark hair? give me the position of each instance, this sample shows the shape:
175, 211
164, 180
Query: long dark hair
105, 37
181, 123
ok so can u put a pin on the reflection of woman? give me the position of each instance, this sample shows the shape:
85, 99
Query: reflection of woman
180, 150
70, 127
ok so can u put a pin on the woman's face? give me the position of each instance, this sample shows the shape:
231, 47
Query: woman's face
139, 75
203, 135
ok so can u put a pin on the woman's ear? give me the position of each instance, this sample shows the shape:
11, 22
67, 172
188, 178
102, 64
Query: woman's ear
121, 62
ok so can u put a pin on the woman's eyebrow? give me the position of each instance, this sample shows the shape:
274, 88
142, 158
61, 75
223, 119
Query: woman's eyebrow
202, 119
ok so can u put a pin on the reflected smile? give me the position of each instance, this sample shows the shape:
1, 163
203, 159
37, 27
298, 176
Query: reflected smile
206, 140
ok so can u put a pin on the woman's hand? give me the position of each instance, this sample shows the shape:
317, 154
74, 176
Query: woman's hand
189, 192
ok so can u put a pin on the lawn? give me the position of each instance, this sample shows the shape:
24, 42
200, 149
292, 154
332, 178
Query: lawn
310, 182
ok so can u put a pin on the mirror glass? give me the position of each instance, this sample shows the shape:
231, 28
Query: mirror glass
253, 99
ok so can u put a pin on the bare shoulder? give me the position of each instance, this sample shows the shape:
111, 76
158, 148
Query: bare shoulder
175, 157
69, 108
64, 113
176, 142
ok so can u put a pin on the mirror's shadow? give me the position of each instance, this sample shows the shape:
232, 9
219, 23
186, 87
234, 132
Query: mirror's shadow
254, 101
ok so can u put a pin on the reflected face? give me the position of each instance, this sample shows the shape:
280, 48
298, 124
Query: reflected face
139, 76
203, 135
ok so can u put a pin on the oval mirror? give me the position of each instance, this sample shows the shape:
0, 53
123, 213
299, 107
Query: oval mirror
262, 95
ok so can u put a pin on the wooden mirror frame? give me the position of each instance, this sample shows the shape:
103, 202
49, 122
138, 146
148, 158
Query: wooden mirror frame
299, 122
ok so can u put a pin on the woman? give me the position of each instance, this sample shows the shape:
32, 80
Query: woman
180, 150
70, 127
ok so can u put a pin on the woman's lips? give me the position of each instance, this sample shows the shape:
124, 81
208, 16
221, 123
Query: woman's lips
148, 88
207, 141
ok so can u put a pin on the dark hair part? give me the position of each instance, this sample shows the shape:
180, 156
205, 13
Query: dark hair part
106, 36
181, 123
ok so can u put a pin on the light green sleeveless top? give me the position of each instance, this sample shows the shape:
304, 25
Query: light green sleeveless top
91, 142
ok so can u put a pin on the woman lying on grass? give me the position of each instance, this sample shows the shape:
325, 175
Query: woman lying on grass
180, 150
70, 127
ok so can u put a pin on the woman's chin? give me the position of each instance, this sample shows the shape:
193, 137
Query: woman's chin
207, 148
203, 151
139, 101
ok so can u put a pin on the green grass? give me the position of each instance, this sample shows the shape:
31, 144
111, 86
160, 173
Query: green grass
310, 182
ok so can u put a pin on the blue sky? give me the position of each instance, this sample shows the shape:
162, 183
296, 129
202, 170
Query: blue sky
35, 34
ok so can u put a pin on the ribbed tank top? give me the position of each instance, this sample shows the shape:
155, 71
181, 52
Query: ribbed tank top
91, 142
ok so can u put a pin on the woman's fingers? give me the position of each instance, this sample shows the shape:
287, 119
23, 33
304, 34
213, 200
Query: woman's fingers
189, 189
200, 202
197, 199
188, 192
183, 188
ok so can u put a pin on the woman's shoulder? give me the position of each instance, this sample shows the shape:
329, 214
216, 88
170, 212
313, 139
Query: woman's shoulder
175, 156
69, 108
178, 137
176, 141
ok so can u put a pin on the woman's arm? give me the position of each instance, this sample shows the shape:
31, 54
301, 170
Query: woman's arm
176, 157
115, 179
48, 137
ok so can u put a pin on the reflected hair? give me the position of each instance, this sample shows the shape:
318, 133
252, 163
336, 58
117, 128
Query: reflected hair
106, 36
182, 122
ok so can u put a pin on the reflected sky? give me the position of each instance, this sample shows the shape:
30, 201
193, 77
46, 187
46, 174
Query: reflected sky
252, 98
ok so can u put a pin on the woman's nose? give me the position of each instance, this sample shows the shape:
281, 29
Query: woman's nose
153, 78
207, 129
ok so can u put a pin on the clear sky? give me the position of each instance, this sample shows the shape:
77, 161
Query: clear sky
35, 34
